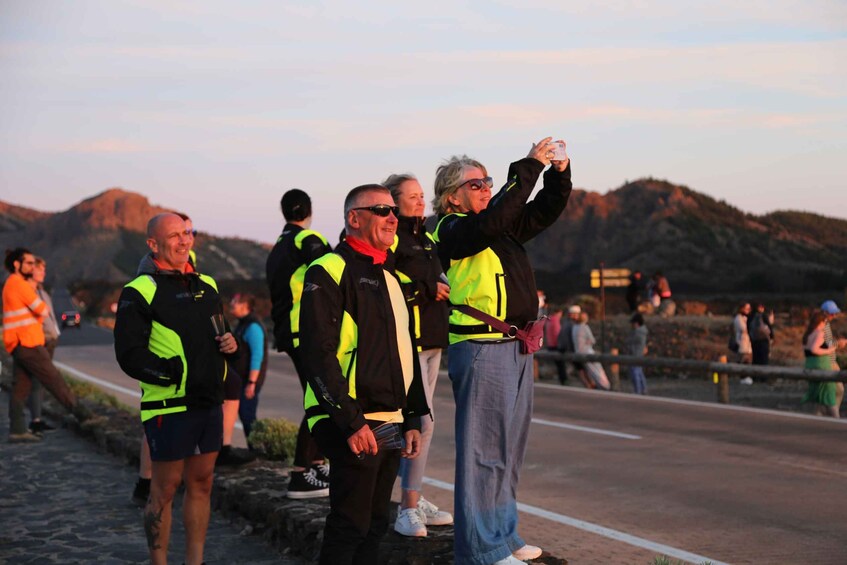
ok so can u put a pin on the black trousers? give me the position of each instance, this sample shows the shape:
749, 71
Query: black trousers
359, 498
306, 449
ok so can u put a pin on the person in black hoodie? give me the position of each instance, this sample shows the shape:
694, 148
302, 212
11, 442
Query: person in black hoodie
480, 243
427, 294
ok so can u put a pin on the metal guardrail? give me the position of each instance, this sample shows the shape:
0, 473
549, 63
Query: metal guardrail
707, 367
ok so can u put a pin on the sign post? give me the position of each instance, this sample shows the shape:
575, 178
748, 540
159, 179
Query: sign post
601, 278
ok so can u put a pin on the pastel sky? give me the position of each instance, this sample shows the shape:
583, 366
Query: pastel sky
216, 108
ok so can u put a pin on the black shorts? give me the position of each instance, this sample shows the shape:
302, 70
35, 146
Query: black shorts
172, 437
232, 385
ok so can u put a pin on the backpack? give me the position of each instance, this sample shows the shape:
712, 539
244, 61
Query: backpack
732, 345
761, 331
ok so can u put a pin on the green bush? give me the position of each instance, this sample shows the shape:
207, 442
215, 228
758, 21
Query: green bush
276, 438
82, 389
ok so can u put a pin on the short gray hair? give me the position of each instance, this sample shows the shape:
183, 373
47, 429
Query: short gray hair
448, 178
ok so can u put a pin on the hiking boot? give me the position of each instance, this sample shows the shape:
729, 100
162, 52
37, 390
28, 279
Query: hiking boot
431, 515
40, 427
141, 492
410, 523
24, 437
322, 472
306, 484
527, 553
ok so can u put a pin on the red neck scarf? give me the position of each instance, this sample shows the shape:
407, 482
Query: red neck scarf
364, 248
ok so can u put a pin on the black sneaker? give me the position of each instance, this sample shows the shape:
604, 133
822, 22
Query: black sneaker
306, 484
141, 492
322, 472
40, 426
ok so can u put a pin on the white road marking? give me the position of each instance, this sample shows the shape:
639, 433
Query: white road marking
583, 429
699, 404
106, 384
599, 530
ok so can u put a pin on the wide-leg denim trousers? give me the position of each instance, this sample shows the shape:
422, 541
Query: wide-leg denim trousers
492, 387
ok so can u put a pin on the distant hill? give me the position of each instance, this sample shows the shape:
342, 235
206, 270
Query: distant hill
701, 244
103, 238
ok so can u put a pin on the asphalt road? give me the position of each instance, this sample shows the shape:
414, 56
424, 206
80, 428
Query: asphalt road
615, 478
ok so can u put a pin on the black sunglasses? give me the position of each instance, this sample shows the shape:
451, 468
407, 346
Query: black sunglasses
478, 184
381, 210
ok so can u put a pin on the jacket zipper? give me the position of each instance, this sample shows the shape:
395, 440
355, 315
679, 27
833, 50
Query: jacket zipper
497, 278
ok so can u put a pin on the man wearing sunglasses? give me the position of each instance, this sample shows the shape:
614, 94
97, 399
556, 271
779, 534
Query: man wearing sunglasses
480, 243
362, 371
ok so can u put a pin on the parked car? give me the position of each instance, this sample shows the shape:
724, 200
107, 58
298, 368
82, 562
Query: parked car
71, 319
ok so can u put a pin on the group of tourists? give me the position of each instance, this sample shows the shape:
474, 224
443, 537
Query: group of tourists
364, 324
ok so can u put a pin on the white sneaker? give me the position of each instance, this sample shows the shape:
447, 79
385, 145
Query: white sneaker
510, 560
747, 381
409, 523
527, 553
432, 516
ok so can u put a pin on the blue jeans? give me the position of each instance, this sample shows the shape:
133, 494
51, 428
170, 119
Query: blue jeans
412, 470
638, 380
492, 386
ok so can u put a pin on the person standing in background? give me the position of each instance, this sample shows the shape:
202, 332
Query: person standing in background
294, 251
760, 329
253, 362
565, 344
832, 311
23, 337
422, 281
636, 346
742, 338
817, 352
51, 339
634, 290
552, 329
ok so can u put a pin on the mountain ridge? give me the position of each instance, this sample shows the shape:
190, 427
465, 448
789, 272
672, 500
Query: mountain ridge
700, 243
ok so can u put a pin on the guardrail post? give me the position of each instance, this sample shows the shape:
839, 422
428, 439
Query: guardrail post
723, 383
615, 372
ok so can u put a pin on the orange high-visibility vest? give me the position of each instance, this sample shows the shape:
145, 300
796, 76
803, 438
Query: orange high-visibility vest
22, 312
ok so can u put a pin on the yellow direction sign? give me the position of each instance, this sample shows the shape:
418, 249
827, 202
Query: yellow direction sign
611, 273
611, 277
